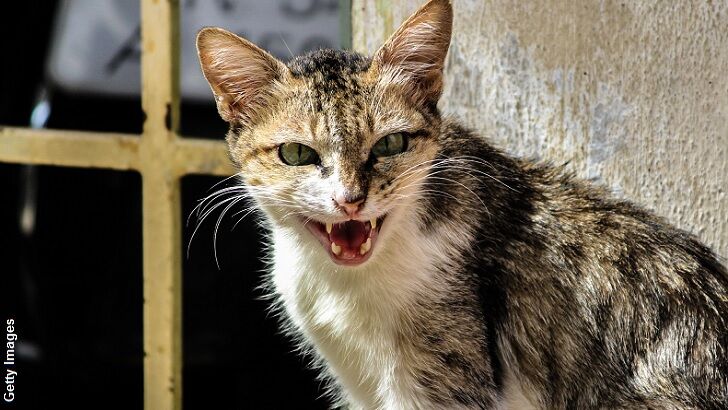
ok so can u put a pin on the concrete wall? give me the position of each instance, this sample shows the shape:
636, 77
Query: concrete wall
633, 93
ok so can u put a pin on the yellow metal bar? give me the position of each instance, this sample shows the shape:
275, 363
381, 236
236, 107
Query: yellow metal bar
161, 207
162, 290
160, 68
198, 156
107, 150
69, 148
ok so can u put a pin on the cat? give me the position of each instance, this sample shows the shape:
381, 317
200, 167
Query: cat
423, 268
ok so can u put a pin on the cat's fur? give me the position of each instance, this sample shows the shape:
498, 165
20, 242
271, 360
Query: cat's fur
496, 282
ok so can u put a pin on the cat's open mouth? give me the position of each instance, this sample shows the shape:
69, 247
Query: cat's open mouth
348, 243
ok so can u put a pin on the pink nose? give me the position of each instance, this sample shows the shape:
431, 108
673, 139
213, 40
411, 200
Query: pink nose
349, 205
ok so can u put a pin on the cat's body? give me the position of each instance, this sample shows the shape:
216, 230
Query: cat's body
564, 295
452, 275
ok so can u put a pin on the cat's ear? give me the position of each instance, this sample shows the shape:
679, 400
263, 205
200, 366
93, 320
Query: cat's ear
242, 76
415, 54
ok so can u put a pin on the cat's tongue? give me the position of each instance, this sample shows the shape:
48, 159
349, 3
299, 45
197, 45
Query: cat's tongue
350, 236
348, 243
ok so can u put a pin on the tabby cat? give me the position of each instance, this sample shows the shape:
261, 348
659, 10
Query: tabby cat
425, 269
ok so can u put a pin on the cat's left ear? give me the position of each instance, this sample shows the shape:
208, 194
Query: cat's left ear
414, 55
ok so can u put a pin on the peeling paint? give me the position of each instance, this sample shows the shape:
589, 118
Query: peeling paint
608, 114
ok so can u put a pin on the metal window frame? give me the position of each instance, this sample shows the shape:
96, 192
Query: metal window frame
162, 157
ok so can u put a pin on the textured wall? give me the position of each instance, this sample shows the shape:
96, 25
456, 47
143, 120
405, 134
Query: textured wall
633, 94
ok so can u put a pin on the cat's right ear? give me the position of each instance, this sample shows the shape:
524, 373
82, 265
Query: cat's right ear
414, 56
242, 76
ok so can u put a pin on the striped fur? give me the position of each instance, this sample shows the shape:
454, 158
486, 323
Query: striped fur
496, 282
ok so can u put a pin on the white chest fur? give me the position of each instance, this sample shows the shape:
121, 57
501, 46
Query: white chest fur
353, 318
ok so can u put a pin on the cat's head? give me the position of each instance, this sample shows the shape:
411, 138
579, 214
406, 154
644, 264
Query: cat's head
334, 145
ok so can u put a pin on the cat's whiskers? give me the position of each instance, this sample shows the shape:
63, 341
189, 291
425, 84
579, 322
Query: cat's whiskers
427, 191
430, 178
471, 159
237, 174
419, 184
442, 165
204, 216
247, 211
203, 203
271, 194
459, 162
217, 226
229, 197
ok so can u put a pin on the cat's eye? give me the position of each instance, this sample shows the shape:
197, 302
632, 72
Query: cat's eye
293, 153
392, 144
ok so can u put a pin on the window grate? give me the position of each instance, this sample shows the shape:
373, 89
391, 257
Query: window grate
162, 157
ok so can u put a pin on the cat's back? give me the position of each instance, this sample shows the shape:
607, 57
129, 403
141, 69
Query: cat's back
602, 296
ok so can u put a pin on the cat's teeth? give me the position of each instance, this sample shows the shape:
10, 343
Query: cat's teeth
329, 227
336, 249
373, 222
364, 248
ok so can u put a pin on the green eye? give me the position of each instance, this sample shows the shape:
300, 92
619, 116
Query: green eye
390, 145
293, 153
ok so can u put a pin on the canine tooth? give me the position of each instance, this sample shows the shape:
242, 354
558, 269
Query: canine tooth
329, 227
364, 248
336, 249
373, 222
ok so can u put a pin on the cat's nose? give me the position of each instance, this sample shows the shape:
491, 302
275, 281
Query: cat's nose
349, 204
